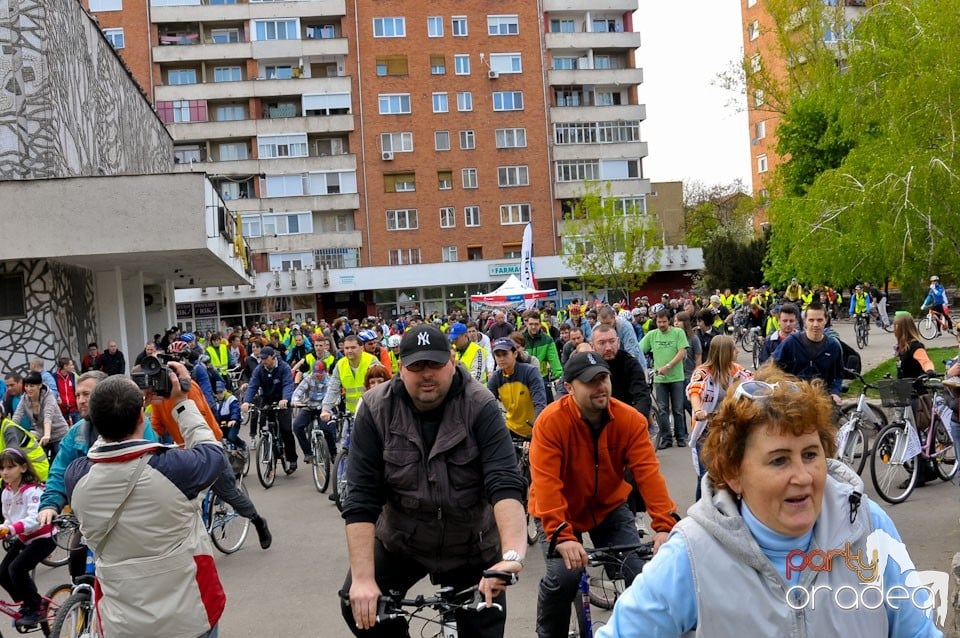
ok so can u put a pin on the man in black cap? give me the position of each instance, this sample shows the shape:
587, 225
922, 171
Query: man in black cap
434, 489
581, 444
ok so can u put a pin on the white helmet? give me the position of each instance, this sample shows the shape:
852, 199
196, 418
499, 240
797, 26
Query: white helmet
934, 278
393, 341
655, 308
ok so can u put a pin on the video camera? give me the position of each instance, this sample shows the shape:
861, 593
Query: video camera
155, 375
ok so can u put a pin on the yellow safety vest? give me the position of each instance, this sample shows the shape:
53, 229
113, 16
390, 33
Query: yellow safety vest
394, 362
35, 453
727, 300
219, 358
468, 358
351, 383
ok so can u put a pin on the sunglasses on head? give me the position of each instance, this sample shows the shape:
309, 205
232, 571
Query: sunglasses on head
760, 390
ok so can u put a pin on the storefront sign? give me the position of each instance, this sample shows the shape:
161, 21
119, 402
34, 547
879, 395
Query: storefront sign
500, 270
205, 309
184, 311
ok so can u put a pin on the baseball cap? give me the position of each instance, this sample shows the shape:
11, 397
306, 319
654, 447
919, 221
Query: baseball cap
584, 366
456, 330
221, 386
267, 351
318, 367
424, 343
504, 343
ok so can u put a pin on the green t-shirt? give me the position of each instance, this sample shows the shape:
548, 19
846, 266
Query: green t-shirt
664, 346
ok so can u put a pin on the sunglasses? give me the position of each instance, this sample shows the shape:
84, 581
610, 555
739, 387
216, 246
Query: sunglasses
760, 390
420, 366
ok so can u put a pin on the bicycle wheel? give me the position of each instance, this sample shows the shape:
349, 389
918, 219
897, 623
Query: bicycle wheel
74, 617
60, 555
861, 335
266, 472
228, 530
54, 600
748, 343
893, 480
866, 334
604, 591
928, 328
578, 623
340, 479
653, 425
756, 356
854, 452
946, 463
321, 462
886, 325
532, 533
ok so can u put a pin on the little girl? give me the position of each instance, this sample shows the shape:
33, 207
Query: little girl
31, 541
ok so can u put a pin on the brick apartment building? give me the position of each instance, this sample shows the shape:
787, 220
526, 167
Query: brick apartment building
387, 155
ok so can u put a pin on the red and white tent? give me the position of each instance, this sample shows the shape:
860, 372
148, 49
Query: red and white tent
511, 293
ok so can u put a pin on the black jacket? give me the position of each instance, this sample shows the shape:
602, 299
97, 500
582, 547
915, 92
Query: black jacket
630, 382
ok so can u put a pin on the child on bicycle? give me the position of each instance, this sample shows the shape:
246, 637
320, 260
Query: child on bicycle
31, 543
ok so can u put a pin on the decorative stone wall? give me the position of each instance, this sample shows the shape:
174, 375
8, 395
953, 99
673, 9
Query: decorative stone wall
68, 106
60, 318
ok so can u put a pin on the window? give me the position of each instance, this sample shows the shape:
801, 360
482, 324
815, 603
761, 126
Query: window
288, 29
106, 5
758, 98
474, 253
468, 140
753, 30
440, 104
512, 251
435, 26
459, 25
232, 151
469, 176
461, 64
596, 132
181, 76
751, 3
449, 253
401, 256
562, 26
389, 27
402, 219
512, 176
445, 180
226, 74
182, 111
287, 223
438, 65
441, 140
229, 112
283, 185
278, 71
394, 103
391, 65
511, 138
505, 63
448, 217
270, 146
13, 304
225, 36
564, 64
514, 214
471, 215
607, 98
508, 101
464, 101
503, 25
399, 183
321, 31
755, 63
577, 170
188, 154
114, 37
397, 142
761, 163
760, 130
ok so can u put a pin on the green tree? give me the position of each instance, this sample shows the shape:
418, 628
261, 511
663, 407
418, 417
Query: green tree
716, 209
730, 262
607, 246
813, 138
891, 206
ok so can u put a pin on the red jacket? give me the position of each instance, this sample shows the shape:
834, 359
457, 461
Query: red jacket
580, 481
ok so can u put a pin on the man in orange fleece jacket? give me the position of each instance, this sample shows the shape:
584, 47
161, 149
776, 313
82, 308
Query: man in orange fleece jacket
581, 445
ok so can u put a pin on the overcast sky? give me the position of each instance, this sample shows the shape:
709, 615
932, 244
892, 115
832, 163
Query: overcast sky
691, 130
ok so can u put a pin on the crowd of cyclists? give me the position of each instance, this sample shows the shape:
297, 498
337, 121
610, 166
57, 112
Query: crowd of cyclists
528, 359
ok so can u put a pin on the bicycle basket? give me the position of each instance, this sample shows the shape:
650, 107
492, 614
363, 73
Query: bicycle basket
895, 393
238, 458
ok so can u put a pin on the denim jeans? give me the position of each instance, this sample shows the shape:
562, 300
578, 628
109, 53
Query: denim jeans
559, 585
670, 398
226, 488
955, 433
301, 428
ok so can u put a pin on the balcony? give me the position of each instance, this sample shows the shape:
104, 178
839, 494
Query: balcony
251, 88
590, 5
597, 40
251, 128
335, 202
618, 188
273, 166
166, 11
244, 50
574, 77
600, 151
305, 242
598, 113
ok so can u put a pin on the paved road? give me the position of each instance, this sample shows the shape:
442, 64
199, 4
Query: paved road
290, 590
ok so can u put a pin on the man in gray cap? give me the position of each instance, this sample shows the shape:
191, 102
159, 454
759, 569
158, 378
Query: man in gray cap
434, 489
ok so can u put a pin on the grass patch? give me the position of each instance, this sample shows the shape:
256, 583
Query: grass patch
889, 367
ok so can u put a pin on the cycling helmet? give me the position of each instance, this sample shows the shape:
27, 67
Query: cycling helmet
625, 315
934, 278
367, 335
394, 340
187, 337
655, 308
177, 347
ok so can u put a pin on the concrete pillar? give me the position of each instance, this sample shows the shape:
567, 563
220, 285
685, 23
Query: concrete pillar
111, 314
134, 316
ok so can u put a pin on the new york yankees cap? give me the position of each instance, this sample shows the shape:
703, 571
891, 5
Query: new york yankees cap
424, 343
584, 366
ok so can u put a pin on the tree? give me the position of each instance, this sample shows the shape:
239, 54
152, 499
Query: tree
889, 208
607, 246
717, 208
730, 262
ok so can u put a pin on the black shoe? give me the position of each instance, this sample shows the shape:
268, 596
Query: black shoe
332, 497
291, 468
263, 532
681, 443
29, 618
664, 444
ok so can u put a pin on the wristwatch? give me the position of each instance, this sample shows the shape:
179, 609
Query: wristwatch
513, 555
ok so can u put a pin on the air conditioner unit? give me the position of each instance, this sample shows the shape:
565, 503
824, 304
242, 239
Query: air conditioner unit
755, 141
493, 75
387, 156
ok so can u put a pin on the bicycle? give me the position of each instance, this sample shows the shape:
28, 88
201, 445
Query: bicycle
899, 452
861, 328
852, 440
344, 432
602, 587
446, 602
322, 460
933, 325
218, 519
270, 447
74, 617
51, 602
757, 346
522, 448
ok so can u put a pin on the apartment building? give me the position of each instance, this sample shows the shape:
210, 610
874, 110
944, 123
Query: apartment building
762, 53
387, 155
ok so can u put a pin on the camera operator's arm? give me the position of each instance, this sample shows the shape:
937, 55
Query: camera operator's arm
193, 427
